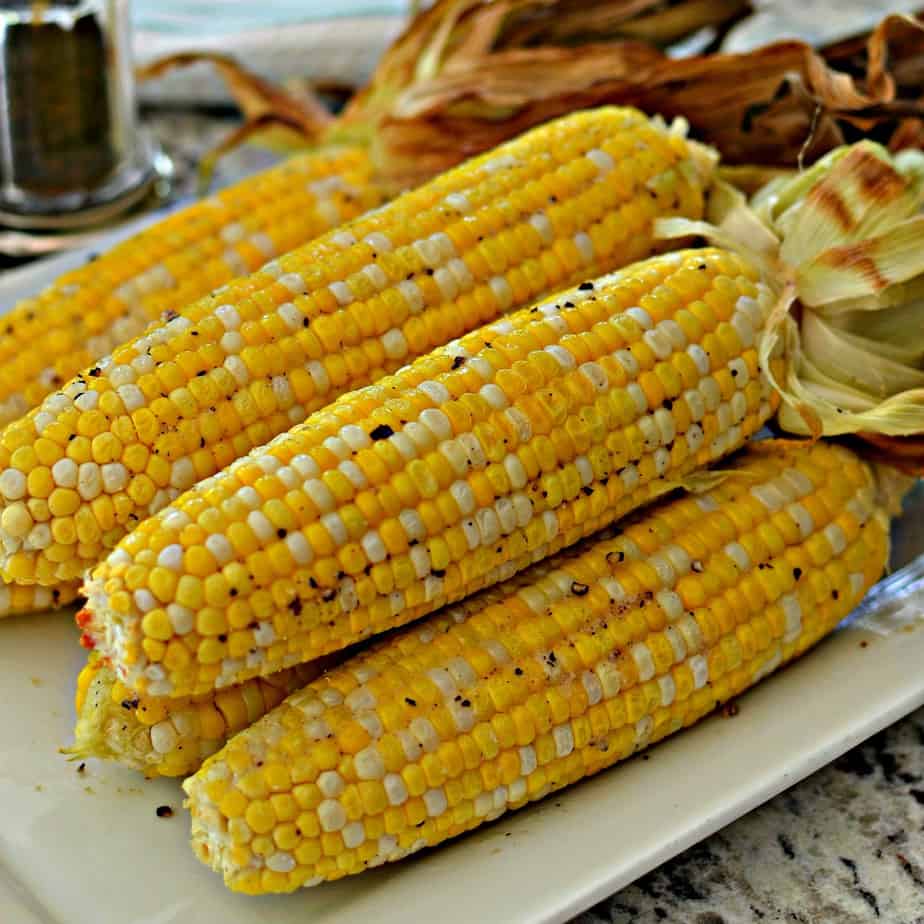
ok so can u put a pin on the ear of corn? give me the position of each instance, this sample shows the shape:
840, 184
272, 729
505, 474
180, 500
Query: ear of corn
16, 599
460, 470
169, 737
84, 315
560, 203
569, 668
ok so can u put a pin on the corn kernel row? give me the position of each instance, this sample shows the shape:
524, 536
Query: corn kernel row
86, 313
16, 599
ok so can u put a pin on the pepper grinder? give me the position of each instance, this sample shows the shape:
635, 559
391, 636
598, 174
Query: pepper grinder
71, 151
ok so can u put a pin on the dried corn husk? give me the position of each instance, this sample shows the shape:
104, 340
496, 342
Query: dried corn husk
451, 37
782, 104
468, 74
262, 102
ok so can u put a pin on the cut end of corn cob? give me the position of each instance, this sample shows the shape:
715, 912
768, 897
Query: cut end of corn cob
169, 737
563, 202
569, 668
88, 312
451, 475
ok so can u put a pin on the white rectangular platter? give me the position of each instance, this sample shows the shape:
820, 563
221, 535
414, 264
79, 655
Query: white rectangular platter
87, 847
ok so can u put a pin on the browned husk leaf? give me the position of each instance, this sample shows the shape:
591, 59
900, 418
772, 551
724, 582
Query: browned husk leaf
452, 37
258, 98
468, 74
568, 21
779, 105
906, 453
454, 34
283, 120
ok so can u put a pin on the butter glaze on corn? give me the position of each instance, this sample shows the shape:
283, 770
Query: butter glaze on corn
88, 312
531, 686
169, 737
465, 467
561, 203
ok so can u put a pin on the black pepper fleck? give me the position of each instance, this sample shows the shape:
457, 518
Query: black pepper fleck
382, 432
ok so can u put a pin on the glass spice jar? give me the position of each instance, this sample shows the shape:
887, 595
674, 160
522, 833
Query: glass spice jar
69, 140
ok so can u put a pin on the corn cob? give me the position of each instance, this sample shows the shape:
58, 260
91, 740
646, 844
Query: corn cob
565, 670
558, 204
465, 467
169, 737
16, 599
85, 314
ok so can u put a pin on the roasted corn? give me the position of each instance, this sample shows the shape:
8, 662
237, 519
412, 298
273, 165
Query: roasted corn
86, 313
458, 471
569, 668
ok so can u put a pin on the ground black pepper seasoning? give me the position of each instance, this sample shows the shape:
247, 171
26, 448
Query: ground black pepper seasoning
57, 102
68, 136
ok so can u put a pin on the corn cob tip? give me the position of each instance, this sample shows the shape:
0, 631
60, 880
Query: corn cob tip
169, 737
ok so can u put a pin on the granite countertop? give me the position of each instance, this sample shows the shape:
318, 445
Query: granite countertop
845, 846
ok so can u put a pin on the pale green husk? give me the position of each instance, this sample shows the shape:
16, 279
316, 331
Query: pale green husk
842, 243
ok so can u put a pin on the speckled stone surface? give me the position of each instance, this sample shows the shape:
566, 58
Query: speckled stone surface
845, 846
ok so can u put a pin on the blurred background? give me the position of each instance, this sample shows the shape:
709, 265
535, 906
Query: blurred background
84, 147
344, 38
